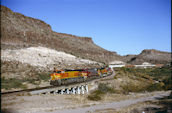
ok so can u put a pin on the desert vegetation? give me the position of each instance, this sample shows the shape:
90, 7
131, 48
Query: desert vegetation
154, 78
151, 72
134, 80
9, 83
102, 90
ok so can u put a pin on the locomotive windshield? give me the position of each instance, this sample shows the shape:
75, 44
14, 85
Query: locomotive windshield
58, 71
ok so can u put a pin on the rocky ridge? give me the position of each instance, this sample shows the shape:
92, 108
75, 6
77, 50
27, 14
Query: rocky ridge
149, 55
19, 31
22, 36
29, 46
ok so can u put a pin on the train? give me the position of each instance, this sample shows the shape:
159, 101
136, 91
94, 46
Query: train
64, 77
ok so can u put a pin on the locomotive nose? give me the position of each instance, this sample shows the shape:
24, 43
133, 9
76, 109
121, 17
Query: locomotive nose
52, 74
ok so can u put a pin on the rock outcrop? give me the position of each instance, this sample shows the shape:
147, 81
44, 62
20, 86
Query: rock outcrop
149, 55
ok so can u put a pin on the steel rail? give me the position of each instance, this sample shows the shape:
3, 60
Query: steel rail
51, 88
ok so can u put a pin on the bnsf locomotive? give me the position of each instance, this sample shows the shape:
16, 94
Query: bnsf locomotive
62, 77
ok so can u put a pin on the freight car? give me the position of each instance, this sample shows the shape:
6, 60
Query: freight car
62, 77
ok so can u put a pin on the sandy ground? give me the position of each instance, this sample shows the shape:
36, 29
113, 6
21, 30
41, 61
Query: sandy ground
74, 103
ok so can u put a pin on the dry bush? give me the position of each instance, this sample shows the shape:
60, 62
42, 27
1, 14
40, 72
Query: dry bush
102, 89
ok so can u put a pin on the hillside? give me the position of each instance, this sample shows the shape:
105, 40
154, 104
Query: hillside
19, 31
149, 55
30, 50
29, 47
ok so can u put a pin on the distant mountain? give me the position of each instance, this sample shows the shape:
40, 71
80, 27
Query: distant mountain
149, 55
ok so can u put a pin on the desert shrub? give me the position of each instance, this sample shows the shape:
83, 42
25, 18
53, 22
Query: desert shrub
30, 80
154, 87
41, 76
95, 96
18, 83
44, 76
12, 83
158, 74
102, 89
130, 87
168, 84
115, 77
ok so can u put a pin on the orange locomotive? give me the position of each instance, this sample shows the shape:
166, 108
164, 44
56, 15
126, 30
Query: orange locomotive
61, 77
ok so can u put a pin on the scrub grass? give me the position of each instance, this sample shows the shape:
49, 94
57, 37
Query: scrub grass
149, 79
18, 83
12, 83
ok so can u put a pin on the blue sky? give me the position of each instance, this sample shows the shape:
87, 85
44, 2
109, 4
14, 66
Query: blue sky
123, 26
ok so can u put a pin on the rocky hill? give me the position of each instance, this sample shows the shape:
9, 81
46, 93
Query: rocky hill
29, 47
29, 43
19, 31
30, 50
149, 55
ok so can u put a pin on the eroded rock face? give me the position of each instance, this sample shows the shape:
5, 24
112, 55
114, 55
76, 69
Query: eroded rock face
19, 31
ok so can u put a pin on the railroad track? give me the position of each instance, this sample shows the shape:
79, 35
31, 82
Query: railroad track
52, 89
26, 90
43, 90
49, 89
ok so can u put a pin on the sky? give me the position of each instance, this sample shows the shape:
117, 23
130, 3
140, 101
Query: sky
123, 26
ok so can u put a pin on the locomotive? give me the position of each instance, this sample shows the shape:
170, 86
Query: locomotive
63, 77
